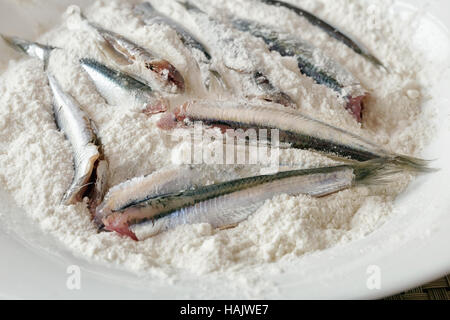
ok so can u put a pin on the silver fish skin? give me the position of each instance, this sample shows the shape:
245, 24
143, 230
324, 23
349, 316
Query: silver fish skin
80, 131
296, 129
141, 189
33, 49
311, 62
329, 29
268, 91
119, 88
229, 203
150, 66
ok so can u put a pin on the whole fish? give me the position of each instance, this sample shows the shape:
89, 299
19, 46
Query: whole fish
119, 88
267, 91
150, 16
33, 49
90, 167
229, 203
329, 29
294, 128
150, 67
311, 62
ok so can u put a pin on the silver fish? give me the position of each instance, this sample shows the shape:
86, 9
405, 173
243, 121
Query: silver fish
119, 88
149, 15
268, 91
137, 190
87, 157
296, 129
329, 29
311, 62
229, 203
150, 67
33, 49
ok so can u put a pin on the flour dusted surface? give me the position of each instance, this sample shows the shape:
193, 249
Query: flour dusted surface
36, 160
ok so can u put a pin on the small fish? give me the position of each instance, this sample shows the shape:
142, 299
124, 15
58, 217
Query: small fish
311, 62
33, 49
329, 29
149, 65
267, 91
294, 128
119, 88
229, 203
137, 190
151, 16
90, 166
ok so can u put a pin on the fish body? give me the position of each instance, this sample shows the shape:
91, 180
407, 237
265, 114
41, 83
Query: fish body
33, 49
80, 131
311, 62
232, 202
148, 64
329, 29
152, 16
141, 189
149, 15
119, 88
266, 90
294, 128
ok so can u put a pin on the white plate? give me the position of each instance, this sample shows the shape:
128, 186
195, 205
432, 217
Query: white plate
409, 250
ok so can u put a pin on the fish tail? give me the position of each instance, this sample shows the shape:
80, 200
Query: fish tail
375, 61
412, 164
12, 42
375, 172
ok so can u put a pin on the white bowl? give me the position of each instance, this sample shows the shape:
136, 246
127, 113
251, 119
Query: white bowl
409, 250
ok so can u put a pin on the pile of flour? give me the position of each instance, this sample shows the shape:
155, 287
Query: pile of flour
36, 160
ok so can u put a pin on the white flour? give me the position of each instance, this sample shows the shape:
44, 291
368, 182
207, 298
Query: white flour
36, 161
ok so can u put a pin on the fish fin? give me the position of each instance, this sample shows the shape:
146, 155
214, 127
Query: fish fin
11, 42
413, 164
375, 172
375, 61
20, 45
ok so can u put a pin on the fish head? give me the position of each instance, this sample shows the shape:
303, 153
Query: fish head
168, 72
118, 222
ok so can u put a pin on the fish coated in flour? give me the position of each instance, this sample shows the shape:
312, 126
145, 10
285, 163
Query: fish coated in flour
329, 29
149, 15
119, 88
90, 167
255, 75
294, 128
229, 203
311, 62
150, 67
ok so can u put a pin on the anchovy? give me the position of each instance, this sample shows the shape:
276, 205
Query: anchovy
229, 203
90, 166
294, 128
119, 88
151, 16
150, 66
311, 62
140, 189
33, 49
329, 29
261, 81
